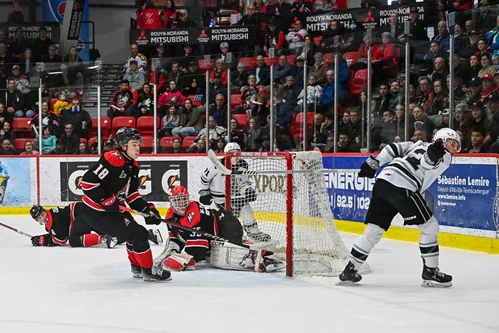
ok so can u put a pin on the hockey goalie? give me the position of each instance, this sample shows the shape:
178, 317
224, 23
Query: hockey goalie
242, 193
184, 249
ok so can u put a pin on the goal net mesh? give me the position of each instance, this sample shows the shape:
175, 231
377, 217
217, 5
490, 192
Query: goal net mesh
317, 248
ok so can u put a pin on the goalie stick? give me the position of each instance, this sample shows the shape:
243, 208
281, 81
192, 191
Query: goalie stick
216, 162
15, 230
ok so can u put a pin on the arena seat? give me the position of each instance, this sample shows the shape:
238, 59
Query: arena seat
119, 122
145, 125
187, 142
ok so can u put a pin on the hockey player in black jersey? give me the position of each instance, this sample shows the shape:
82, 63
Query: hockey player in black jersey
65, 225
184, 248
410, 169
109, 184
242, 193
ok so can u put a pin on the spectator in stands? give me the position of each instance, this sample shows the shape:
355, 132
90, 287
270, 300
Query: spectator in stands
184, 20
216, 87
473, 92
239, 78
489, 86
483, 48
196, 10
323, 6
48, 119
477, 145
138, 57
219, 110
281, 12
487, 65
176, 147
8, 148
175, 74
199, 147
161, 55
123, 101
419, 115
66, 79
236, 134
327, 97
52, 57
440, 70
252, 135
215, 132
190, 123
463, 123
479, 121
192, 83
259, 110
283, 113
382, 103
282, 70
397, 95
5, 116
169, 15
311, 48
440, 98
6, 132
298, 76
274, 38
78, 117
385, 55
426, 97
75, 66
48, 141
155, 76
256, 19
41, 45
145, 102
296, 38
417, 28
261, 72
172, 96
83, 149
27, 65
356, 124
248, 95
170, 121
189, 56
70, 140
15, 102
135, 76
428, 59
60, 149
18, 44
326, 128
394, 28
313, 95
63, 102
22, 83
220, 70
224, 48
419, 135
400, 120
335, 29
458, 90
6, 62
149, 18
290, 92
16, 16
29, 149
319, 68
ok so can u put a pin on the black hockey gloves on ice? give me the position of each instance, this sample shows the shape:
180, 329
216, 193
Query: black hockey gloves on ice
369, 167
151, 215
436, 151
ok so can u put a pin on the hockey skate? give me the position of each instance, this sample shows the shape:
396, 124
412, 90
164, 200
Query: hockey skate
154, 236
271, 265
432, 277
156, 274
254, 233
136, 271
109, 241
349, 275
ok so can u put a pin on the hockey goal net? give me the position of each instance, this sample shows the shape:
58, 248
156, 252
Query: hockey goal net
292, 206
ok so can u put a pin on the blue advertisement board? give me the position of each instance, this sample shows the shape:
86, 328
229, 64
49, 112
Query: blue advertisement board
15, 182
53, 11
464, 196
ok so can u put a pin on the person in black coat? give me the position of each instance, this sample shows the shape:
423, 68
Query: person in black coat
78, 117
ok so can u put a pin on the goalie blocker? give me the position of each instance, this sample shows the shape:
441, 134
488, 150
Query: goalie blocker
184, 249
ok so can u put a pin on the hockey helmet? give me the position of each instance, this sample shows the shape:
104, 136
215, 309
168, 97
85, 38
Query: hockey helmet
179, 200
125, 134
231, 146
36, 212
446, 134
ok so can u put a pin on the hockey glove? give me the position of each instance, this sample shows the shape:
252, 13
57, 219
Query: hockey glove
205, 197
369, 167
42, 240
435, 151
110, 204
151, 214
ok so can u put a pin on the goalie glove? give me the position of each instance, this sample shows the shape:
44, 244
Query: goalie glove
369, 167
205, 197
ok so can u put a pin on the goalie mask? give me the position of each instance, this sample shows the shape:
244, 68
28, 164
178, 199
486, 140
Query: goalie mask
232, 147
39, 214
179, 200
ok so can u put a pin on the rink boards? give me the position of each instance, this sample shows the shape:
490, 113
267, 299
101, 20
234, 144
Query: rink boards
464, 199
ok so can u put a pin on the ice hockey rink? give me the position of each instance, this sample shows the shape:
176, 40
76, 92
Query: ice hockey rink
91, 290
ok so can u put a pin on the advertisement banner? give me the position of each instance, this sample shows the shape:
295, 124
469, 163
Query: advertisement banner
16, 181
156, 178
464, 196
53, 11
192, 35
31, 31
317, 22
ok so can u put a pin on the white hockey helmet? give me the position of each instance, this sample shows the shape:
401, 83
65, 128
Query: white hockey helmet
446, 134
231, 146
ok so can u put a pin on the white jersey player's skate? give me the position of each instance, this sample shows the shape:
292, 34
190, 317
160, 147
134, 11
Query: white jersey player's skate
242, 193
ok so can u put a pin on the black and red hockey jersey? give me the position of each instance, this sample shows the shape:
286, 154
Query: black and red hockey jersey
111, 182
60, 222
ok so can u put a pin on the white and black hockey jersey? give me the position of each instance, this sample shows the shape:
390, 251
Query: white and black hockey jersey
213, 182
408, 165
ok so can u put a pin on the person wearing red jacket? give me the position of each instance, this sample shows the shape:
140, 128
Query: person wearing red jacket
274, 38
169, 15
149, 18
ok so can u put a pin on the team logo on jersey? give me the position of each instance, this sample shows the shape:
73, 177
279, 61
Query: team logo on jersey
123, 174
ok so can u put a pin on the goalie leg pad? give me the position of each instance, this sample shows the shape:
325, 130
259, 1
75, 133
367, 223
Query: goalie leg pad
233, 257
179, 261
171, 247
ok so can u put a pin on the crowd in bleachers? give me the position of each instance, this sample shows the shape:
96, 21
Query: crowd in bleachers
178, 74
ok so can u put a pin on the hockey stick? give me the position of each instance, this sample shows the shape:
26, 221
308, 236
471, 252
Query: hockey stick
16, 230
216, 162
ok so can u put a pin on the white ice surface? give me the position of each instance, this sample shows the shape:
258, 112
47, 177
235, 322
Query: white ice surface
91, 290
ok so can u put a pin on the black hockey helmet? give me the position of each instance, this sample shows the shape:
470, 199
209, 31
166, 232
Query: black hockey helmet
36, 211
125, 134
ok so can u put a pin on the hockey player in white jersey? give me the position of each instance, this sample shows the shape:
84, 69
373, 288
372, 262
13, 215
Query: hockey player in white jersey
242, 193
411, 169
